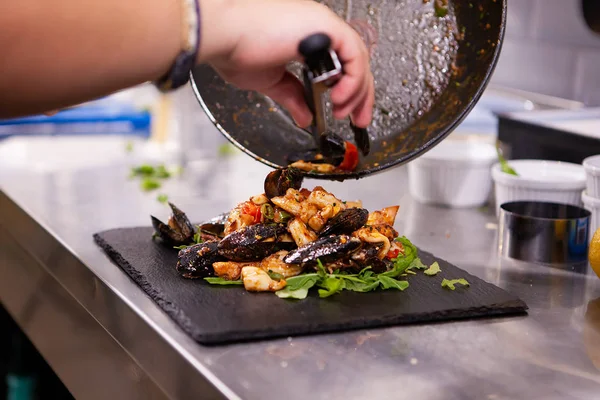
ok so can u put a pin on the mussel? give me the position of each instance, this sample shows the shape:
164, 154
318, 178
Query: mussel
361, 138
332, 151
326, 249
367, 255
279, 181
346, 221
197, 261
254, 242
178, 231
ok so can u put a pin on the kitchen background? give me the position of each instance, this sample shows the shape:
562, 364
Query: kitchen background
550, 49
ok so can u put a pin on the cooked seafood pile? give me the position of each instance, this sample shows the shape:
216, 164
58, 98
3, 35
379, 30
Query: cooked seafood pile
291, 234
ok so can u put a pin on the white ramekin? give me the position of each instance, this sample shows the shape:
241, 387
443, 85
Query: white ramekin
454, 174
592, 204
592, 175
539, 180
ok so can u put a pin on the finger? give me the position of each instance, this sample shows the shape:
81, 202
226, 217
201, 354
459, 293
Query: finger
363, 114
355, 59
289, 93
343, 110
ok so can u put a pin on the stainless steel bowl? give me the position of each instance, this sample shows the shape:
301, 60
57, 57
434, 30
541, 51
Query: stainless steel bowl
545, 233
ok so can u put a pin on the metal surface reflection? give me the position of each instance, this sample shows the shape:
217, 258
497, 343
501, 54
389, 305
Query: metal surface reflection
50, 219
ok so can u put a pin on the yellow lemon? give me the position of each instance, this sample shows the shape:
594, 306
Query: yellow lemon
594, 252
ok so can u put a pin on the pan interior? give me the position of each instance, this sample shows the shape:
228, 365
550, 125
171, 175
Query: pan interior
429, 71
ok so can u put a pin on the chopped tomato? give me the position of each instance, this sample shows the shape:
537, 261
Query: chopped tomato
350, 158
249, 208
393, 253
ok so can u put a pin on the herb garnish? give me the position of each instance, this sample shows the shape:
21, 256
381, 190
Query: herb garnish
504, 167
328, 284
450, 283
150, 176
434, 269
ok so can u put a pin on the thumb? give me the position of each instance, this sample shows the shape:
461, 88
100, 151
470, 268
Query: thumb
289, 93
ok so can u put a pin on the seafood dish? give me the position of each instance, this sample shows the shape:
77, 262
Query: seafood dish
289, 239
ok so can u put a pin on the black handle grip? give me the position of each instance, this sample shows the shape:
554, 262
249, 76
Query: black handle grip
315, 49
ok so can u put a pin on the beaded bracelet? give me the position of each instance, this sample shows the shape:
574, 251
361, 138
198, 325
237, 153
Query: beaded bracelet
179, 73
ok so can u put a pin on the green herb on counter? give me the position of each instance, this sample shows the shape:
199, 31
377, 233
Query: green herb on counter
149, 184
161, 172
143, 170
504, 167
434, 269
162, 198
226, 149
451, 283
213, 280
129, 146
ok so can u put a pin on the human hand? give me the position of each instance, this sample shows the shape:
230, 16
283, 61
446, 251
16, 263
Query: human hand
249, 43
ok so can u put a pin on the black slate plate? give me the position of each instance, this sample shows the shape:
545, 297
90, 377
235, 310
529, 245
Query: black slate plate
217, 315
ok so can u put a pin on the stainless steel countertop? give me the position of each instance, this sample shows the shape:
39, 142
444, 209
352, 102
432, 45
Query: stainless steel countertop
105, 338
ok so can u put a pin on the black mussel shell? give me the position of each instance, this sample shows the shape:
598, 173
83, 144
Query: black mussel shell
326, 249
214, 230
279, 181
175, 237
346, 221
196, 261
333, 148
361, 138
253, 242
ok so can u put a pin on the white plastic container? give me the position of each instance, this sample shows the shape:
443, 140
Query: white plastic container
592, 204
592, 175
454, 173
539, 180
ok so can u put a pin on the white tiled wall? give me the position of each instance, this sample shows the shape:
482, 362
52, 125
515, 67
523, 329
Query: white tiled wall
549, 49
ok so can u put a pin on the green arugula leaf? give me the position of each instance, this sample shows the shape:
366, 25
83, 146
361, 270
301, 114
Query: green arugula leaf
409, 248
434, 269
321, 271
286, 293
298, 286
450, 283
366, 285
390, 283
213, 280
330, 286
417, 264
183, 246
301, 281
197, 238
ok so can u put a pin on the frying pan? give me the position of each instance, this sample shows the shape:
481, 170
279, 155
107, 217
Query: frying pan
430, 70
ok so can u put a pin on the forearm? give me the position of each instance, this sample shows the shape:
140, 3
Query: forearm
59, 53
